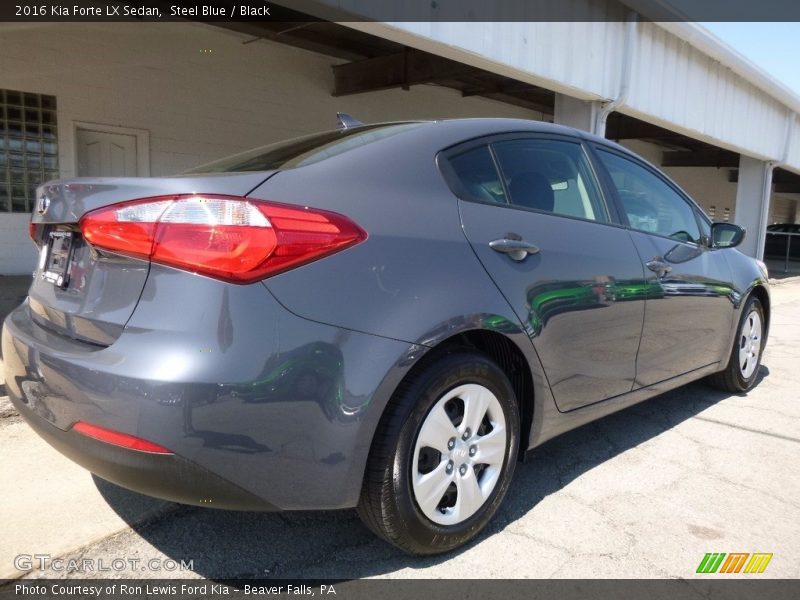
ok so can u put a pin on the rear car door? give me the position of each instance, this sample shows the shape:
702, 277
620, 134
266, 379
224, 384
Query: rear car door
534, 214
689, 311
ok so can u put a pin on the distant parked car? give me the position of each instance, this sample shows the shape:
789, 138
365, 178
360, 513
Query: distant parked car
386, 316
775, 245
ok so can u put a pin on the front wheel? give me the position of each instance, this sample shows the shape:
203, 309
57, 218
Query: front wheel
745, 359
443, 455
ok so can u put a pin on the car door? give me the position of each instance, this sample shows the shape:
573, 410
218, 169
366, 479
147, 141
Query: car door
689, 312
535, 216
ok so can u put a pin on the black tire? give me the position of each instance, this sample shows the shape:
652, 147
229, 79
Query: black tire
732, 379
387, 504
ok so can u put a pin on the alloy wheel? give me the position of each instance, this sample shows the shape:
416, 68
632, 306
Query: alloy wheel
750, 344
459, 454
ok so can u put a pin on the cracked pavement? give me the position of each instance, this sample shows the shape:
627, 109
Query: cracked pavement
643, 493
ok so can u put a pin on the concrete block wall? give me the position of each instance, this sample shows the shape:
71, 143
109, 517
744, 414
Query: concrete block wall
199, 91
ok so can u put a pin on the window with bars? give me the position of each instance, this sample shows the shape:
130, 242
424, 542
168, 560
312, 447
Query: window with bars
28, 147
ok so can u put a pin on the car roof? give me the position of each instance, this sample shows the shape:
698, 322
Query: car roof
459, 130
446, 133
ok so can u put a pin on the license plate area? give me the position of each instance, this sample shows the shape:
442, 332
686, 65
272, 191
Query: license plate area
59, 253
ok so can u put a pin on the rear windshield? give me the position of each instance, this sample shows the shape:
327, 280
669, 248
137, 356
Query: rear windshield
302, 151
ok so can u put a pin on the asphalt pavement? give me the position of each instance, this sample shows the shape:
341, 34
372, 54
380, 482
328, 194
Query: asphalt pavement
644, 493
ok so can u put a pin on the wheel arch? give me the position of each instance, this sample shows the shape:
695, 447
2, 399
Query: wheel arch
508, 356
760, 292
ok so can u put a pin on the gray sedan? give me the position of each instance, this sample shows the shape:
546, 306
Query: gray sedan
382, 316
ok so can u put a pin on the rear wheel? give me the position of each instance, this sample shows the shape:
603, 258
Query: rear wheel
443, 455
745, 359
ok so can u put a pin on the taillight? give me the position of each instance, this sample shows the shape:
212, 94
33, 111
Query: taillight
227, 237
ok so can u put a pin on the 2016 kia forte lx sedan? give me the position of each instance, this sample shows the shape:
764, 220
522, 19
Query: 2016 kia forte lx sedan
385, 316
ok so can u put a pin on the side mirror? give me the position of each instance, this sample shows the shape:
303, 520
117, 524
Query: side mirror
726, 235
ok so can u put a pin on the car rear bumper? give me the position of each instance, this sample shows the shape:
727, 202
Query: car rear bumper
263, 410
165, 476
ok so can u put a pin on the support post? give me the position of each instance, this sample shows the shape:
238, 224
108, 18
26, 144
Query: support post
753, 193
572, 112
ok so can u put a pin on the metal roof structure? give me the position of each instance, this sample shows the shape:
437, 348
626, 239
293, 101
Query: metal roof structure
704, 89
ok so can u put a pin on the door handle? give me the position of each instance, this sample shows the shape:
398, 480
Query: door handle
659, 267
514, 246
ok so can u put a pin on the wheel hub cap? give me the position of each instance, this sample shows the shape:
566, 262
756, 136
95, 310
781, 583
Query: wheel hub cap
459, 454
750, 344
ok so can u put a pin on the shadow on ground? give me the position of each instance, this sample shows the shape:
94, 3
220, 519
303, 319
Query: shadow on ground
225, 544
13, 290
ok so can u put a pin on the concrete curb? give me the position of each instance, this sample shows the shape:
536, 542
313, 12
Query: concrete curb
75, 551
7, 410
784, 280
50, 505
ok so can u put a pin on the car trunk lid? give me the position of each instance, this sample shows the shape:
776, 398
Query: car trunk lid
88, 294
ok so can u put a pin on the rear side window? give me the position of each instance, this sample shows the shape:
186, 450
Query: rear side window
477, 176
550, 175
302, 151
649, 202
538, 174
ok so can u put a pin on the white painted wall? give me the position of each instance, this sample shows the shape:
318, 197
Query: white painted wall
17, 252
199, 91
783, 208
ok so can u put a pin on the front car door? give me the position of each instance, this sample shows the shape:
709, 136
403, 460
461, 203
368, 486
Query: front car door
533, 211
690, 305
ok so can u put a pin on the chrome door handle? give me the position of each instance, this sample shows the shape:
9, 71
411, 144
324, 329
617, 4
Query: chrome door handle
659, 267
517, 249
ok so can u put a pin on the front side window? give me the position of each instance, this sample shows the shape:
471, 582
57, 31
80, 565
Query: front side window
705, 226
550, 175
650, 203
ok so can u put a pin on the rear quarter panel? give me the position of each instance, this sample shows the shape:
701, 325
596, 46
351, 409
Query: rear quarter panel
415, 278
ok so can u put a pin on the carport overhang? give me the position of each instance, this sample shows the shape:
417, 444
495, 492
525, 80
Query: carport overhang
371, 63
377, 56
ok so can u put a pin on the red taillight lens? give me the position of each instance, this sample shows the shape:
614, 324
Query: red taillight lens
227, 237
116, 438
